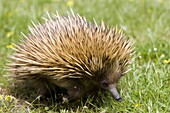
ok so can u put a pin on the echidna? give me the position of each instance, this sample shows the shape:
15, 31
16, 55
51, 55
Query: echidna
72, 54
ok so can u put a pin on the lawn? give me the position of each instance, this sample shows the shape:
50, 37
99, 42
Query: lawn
146, 89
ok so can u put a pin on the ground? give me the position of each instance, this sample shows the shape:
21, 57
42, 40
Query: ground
146, 88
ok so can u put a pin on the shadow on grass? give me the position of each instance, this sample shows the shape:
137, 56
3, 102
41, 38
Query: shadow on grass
55, 101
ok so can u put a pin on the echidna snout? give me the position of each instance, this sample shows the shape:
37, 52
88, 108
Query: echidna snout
112, 89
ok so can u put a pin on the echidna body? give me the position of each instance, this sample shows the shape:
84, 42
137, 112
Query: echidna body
72, 54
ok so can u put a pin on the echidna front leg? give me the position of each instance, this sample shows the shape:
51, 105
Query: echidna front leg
75, 89
75, 92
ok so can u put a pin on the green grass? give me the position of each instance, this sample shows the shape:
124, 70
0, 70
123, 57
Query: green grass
145, 89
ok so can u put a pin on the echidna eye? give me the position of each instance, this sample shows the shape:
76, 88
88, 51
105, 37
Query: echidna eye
104, 84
